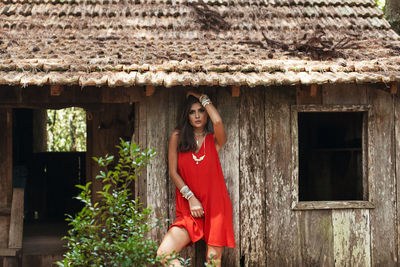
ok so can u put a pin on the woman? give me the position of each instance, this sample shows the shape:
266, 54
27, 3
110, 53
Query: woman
203, 206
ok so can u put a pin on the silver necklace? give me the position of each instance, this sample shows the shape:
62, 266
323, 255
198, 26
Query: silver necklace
199, 159
201, 134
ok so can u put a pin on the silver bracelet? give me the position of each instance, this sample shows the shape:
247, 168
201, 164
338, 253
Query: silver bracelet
186, 192
204, 100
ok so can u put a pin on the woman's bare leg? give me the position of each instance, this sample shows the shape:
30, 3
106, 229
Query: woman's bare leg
217, 254
175, 240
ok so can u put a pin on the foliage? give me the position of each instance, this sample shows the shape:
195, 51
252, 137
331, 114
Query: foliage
380, 4
113, 233
212, 263
66, 129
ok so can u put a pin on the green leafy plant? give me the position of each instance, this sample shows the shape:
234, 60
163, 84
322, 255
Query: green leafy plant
115, 232
213, 262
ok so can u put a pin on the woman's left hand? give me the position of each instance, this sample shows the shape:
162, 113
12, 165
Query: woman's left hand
193, 94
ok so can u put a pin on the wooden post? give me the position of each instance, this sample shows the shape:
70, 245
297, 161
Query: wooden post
313, 90
393, 89
56, 90
17, 219
235, 91
5, 172
150, 89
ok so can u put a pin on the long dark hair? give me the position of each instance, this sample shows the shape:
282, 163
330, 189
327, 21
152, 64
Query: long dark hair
186, 133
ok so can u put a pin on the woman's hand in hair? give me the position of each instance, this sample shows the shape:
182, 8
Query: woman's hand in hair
196, 209
196, 95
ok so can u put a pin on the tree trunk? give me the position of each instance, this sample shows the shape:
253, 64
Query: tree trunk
392, 12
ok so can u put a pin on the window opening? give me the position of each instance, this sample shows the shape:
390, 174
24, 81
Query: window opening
330, 150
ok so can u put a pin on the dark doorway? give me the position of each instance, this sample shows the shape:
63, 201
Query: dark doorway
49, 180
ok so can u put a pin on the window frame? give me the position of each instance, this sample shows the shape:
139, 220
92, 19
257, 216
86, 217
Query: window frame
367, 141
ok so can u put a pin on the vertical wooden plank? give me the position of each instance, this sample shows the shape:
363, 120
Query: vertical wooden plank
381, 158
351, 237
106, 128
280, 220
397, 163
39, 130
140, 139
5, 171
157, 174
17, 219
252, 176
5, 157
315, 238
228, 107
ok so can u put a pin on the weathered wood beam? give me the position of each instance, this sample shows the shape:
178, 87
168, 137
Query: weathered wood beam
9, 252
56, 90
393, 88
313, 90
323, 205
17, 219
41, 96
235, 91
150, 89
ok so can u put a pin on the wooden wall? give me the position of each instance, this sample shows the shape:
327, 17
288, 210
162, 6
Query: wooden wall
258, 168
105, 126
257, 163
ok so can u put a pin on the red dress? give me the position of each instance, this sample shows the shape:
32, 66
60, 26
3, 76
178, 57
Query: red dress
207, 182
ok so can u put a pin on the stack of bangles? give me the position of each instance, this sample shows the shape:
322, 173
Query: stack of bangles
186, 192
204, 100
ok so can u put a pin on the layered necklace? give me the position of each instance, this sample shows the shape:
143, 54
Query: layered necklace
199, 159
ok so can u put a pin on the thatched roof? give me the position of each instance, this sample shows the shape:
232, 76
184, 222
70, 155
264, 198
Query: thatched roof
168, 42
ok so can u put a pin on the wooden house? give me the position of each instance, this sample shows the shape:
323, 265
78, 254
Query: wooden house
308, 90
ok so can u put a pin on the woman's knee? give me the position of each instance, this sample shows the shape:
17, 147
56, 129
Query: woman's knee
173, 242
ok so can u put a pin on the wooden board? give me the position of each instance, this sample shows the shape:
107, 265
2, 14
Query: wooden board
344, 94
17, 219
39, 130
252, 176
304, 96
381, 156
397, 158
280, 220
41, 95
5, 157
5, 172
228, 107
141, 140
106, 128
351, 237
157, 171
315, 238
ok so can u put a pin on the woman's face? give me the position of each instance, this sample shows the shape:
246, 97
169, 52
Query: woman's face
198, 116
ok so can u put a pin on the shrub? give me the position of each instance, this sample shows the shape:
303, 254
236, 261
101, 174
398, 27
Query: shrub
115, 232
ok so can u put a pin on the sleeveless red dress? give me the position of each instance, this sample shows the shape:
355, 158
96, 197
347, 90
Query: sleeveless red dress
207, 182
